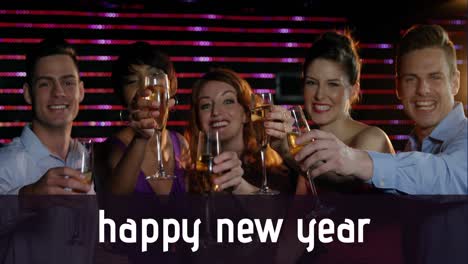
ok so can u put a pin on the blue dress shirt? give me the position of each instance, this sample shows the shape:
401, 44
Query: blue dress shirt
437, 166
25, 160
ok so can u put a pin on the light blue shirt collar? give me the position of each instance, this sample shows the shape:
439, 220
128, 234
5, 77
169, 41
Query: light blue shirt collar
33, 144
444, 130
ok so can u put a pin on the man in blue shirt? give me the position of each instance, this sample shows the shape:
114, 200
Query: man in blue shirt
436, 161
36, 162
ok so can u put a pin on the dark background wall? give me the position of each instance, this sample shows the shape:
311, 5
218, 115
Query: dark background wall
263, 41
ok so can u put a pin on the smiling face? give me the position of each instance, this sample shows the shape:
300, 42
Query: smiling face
55, 93
218, 108
426, 87
326, 91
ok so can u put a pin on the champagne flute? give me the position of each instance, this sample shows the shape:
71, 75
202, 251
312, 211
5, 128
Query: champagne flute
208, 148
158, 84
300, 127
82, 156
260, 106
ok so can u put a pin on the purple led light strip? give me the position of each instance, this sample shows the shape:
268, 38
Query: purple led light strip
189, 43
185, 123
187, 107
164, 28
171, 16
205, 59
198, 75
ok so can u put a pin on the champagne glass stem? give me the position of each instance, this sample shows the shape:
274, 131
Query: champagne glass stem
160, 167
319, 208
312, 184
264, 170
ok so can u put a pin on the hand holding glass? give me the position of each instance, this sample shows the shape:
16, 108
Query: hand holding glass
209, 147
158, 84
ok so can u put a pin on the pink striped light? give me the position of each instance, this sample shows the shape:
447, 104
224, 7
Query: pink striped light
259, 75
206, 59
101, 139
163, 28
378, 107
170, 16
377, 91
248, 44
388, 122
11, 91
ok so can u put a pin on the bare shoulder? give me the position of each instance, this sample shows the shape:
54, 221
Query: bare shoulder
374, 139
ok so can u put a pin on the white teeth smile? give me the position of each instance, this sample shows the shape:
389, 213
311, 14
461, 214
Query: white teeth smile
425, 105
58, 107
219, 124
322, 107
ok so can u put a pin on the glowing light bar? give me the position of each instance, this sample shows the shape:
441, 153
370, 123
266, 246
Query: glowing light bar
15, 107
377, 76
99, 123
94, 139
82, 107
377, 91
170, 16
178, 123
188, 91
12, 57
273, 91
101, 107
378, 107
97, 58
179, 75
375, 46
11, 91
95, 74
185, 43
93, 123
388, 122
377, 61
187, 107
99, 90
206, 59
164, 28
458, 22
243, 75
257, 90
451, 33
87, 90
398, 137
101, 139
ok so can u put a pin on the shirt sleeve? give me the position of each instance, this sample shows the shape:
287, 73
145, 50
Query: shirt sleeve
7, 183
423, 173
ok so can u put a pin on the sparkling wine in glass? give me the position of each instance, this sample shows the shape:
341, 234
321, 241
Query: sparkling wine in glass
260, 106
158, 84
209, 147
299, 127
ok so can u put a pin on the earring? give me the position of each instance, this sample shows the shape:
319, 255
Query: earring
176, 102
124, 115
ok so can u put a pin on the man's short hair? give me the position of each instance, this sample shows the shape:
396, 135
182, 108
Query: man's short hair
427, 36
47, 47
